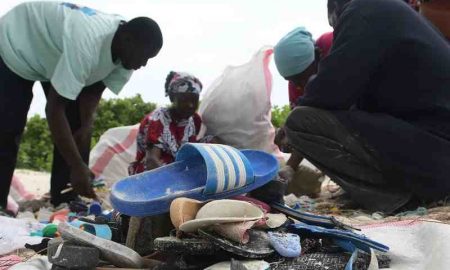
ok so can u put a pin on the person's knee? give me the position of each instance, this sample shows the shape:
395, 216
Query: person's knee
302, 118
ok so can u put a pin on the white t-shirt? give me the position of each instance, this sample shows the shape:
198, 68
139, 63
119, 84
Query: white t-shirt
66, 44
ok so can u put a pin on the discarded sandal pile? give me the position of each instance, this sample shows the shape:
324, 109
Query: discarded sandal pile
215, 225
245, 231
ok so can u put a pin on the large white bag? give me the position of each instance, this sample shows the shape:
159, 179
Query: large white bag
236, 107
115, 150
414, 245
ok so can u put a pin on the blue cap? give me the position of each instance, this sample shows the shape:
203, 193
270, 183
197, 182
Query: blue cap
294, 53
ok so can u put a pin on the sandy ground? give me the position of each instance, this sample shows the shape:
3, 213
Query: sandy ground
35, 182
39, 183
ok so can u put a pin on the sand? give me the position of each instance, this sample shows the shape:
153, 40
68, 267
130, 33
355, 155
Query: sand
38, 183
35, 182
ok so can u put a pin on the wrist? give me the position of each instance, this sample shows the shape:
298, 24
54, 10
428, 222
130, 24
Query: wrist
77, 165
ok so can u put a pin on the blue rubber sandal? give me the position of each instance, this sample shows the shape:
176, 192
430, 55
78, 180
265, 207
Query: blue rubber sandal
99, 230
323, 221
359, 241
200, 171
286, 244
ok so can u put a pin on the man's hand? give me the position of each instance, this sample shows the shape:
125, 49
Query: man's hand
68, 144
287, 173
81, 178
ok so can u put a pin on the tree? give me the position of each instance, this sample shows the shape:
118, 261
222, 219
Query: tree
36, 151
36, 148
279, 115
119, 112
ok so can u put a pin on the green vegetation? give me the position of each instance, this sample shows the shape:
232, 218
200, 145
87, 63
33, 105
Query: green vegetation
36, 148
279, 115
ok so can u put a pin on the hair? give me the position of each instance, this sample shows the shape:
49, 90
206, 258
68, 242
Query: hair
145, 31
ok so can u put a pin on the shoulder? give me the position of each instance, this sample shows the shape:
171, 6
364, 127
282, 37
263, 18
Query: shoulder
159, 114
88, 33
367, 8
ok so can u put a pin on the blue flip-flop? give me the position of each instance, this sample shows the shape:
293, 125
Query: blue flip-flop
359, 241
99, 230
286, 244
308, 218
200, 171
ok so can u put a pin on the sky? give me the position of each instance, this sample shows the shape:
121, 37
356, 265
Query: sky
203, 37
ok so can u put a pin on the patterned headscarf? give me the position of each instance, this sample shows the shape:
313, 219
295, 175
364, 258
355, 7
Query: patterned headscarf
181, 82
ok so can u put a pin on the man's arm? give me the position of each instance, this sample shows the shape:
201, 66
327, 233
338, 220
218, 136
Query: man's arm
295, 160
88, 99
80, 175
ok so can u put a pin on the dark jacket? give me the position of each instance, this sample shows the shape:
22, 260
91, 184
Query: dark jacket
386, 58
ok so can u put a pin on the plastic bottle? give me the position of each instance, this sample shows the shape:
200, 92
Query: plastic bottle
60, 216
95, 208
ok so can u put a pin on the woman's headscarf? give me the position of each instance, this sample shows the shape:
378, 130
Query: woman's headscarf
182, 82
294, 52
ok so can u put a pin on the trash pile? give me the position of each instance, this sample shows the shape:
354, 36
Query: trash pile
250, 233
226, 213
37, 227
237, 233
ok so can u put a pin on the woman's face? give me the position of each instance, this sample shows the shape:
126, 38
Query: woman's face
185, 104
300, 80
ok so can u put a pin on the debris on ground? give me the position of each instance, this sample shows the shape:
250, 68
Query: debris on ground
236, 233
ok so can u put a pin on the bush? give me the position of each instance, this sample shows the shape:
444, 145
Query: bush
119, 112
279, 115
36, 148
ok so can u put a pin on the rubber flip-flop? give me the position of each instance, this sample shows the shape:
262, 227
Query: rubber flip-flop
183, 210
264, 206
190, 246
201, 171
240, 265
223, 211
286, 244
258, 247
99, 230
237, 232
359, 241
116, 253
274, 221
73, 256
327, 261
308, 218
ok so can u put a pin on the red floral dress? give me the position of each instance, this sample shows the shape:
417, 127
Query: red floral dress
157, 129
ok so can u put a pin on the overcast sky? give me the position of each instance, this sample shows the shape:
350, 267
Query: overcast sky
204, 36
